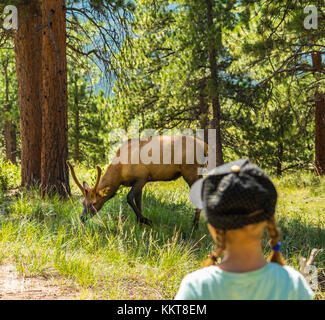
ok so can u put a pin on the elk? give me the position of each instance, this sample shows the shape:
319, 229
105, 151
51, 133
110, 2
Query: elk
136, 174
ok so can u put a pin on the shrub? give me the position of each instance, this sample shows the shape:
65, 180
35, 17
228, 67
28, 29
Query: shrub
9, 175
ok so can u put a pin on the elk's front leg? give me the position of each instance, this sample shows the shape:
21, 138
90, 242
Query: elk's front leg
196, 218
138, 200
134, 200
190, 178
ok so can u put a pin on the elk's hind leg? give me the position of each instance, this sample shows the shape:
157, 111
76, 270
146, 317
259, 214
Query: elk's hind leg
138, 200
190, 178
196, 218
134, 199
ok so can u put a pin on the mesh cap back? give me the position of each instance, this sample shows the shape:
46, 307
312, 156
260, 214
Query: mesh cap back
236, 194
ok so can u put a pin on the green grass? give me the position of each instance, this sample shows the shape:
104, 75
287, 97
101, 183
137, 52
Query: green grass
113, 259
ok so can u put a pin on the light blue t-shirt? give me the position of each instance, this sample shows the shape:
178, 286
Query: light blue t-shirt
271, 282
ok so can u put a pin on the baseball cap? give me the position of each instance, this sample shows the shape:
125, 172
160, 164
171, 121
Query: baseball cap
235, 194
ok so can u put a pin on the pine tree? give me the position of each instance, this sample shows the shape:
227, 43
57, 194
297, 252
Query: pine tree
9, 119
40, 50
283, 48
27, 41
176, 70
86, 118
54, 100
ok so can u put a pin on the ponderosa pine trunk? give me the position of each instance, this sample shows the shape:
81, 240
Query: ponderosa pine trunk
279, 158
9, 127
28, 69
203, 110
77, 141
76, 123
10, 138
319, 121
213, 89
54, 171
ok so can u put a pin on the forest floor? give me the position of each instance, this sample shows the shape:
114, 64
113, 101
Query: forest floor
16, 287
46, 253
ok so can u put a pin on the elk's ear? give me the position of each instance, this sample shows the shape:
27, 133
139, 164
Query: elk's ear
86, 187
104, 192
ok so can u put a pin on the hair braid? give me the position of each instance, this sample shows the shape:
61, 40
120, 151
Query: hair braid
274, 235
220, 247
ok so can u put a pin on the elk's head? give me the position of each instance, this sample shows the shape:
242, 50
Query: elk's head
94, 198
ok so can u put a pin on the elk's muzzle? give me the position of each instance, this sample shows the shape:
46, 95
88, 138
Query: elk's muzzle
83, 217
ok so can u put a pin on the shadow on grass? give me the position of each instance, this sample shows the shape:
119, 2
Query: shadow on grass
299, 237
170, 219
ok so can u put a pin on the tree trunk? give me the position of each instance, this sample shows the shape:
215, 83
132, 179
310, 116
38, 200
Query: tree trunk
204, 110
55, 175
28, 68
77, 124
213, 88
9, 127
279, 158
319, 122
13, 143
11, 139
215, 124
8, 139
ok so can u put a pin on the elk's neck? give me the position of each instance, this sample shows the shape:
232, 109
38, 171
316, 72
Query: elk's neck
111, 179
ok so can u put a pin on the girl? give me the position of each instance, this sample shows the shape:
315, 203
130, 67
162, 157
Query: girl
239, 201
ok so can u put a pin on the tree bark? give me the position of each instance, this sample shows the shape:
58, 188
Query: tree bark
319, 121
10, 139
203, 110
28, 68
213, 89
77, 124
9, 127
279, 158
54, 171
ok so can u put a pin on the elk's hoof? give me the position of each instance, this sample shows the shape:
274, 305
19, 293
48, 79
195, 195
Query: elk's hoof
145, 221
83, 219
195, 225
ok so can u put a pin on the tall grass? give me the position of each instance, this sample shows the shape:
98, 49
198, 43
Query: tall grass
110, 258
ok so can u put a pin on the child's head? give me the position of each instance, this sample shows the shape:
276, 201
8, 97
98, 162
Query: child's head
238, 200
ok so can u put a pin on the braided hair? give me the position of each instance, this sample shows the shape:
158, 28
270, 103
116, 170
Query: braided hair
274, 235
236, 195
217, 252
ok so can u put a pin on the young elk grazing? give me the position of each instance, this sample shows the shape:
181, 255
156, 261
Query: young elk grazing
176, 151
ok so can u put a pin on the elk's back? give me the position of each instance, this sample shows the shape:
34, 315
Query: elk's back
160, 158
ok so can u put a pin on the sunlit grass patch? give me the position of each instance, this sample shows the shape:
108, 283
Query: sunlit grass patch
113, 258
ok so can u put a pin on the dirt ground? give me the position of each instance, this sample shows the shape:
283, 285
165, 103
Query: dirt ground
15, 287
